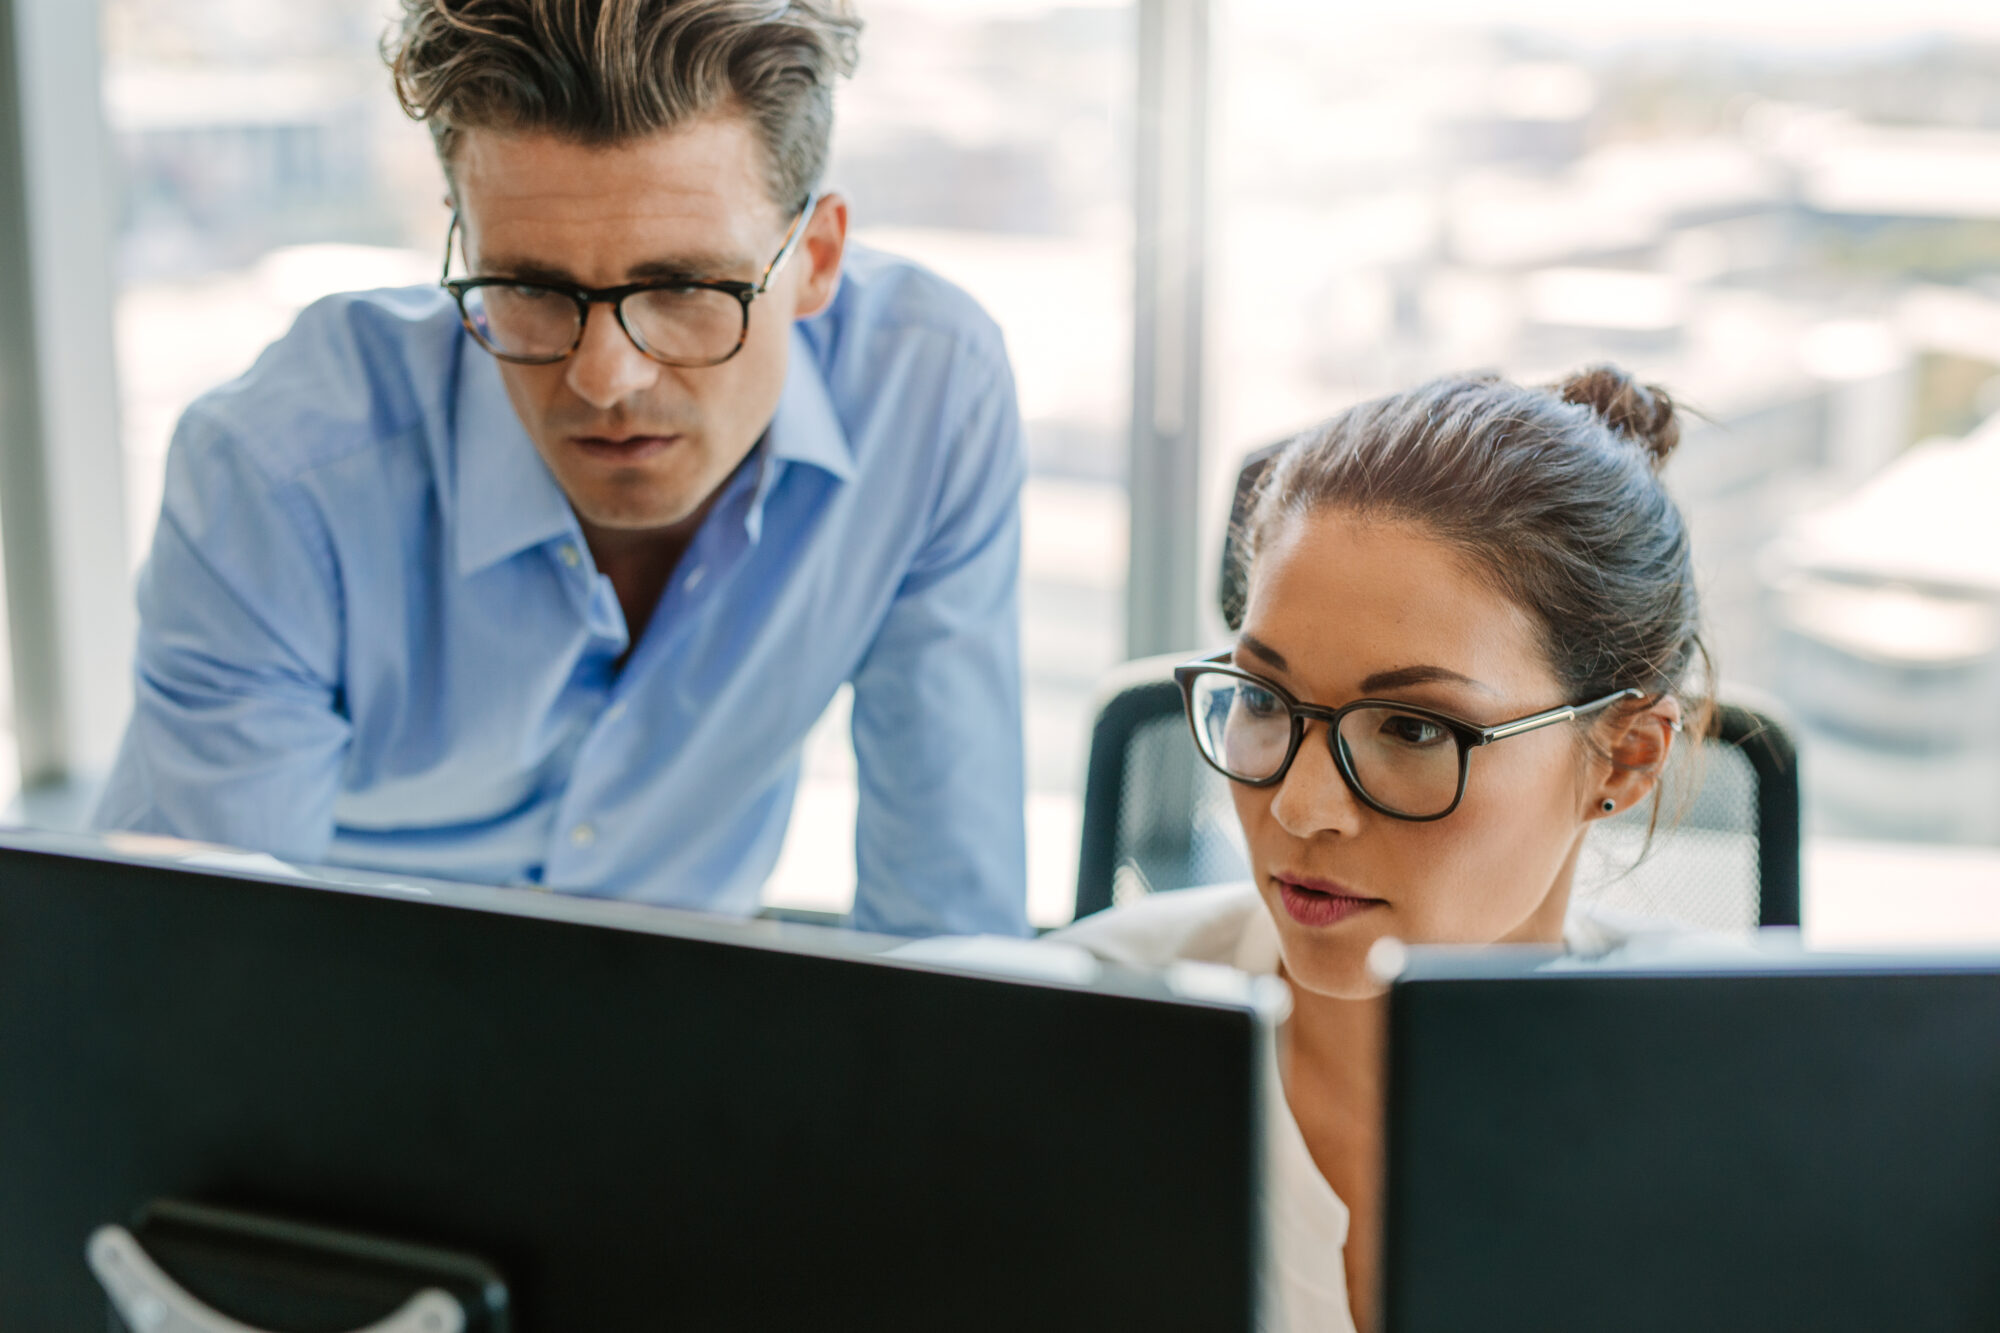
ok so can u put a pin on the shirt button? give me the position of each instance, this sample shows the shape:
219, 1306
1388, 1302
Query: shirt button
569, 555
616, 712
583, 835
695, 577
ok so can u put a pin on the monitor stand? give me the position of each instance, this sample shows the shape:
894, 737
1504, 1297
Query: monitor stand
189, 1268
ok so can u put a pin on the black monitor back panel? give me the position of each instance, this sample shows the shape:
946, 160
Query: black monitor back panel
1807, 1148
639, 1128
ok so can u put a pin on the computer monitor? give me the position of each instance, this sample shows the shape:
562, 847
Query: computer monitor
636, 1119
1809, 1143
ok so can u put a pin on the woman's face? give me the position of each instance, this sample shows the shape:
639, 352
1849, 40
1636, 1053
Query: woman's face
1343, 608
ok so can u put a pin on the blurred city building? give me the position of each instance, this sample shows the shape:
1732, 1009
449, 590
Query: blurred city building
1801, 240
1887, 615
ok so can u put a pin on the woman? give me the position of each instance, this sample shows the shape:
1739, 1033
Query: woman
1485, 590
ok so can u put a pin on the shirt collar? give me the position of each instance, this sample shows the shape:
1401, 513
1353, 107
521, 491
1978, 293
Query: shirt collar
806, 429
508, 502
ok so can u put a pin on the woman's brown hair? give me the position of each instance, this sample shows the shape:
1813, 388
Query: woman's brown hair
1554, 494
608, 71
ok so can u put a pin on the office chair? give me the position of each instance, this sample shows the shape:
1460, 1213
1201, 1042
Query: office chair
1725, 856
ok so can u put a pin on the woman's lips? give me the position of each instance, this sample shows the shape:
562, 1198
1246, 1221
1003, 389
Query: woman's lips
1315, 902
629, 449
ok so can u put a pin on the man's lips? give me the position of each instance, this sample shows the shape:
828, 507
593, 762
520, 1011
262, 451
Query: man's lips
623, 448
1321, 902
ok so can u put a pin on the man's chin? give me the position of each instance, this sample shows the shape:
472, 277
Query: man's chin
627, 517
631, 501
657, 493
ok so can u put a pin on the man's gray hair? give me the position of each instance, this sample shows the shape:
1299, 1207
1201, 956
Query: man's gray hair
609, 71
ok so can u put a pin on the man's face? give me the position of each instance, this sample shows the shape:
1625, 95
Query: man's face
637, 445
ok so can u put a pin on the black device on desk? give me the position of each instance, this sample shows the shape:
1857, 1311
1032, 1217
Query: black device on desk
563, 1115
1766, 1145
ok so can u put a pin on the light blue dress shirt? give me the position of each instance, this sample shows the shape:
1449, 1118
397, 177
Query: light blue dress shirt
371, 633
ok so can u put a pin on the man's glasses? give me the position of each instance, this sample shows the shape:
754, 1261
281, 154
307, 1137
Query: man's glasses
1399, 759
681, 321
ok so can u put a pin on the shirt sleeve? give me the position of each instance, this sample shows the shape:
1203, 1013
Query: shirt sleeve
940, 837
237, 733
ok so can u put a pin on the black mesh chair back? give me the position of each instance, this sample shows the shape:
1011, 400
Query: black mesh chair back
1154, 815
1725, 854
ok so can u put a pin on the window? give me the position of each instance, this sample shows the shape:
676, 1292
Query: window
991, 143
264, 163
1785, 214
10, 759
1789, 219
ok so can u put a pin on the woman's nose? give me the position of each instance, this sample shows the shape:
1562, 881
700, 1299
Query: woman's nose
1313, 798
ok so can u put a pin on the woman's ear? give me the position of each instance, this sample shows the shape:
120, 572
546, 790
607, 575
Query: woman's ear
1636, 744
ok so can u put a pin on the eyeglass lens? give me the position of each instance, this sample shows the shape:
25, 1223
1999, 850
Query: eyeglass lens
1405, 762
690, 325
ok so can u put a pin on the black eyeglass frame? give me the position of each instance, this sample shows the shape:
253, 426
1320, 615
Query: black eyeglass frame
1468, 735
586, 297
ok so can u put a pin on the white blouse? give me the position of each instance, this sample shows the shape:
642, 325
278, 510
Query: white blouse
1308, 1221
1229, 924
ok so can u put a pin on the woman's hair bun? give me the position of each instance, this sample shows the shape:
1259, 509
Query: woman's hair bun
1643, 413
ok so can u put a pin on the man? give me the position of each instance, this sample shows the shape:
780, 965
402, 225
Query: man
542, 576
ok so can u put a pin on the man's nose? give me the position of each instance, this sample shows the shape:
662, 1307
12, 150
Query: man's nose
607, 367
1313, 798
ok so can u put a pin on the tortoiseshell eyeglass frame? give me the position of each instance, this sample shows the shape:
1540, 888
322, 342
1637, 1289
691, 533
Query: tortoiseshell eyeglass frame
615, 297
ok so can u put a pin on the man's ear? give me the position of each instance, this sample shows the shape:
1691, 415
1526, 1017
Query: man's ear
1638, 744
824, 243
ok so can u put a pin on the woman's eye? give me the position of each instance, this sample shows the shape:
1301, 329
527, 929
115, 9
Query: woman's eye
1409, 729
1260, 703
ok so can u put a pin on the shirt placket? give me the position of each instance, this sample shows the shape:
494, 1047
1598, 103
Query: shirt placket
584, 839
575, 835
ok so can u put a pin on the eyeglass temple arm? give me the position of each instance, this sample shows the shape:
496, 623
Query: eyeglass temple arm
1566, 713
449, 233
792, 239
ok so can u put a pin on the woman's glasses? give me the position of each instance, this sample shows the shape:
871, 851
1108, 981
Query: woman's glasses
1402, 760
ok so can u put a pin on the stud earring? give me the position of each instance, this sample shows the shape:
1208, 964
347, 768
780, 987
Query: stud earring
1609, 805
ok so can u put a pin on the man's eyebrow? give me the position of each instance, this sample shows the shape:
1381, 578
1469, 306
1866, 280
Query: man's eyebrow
1264, 650
1404, 677
653, 270
689, 266
527, 270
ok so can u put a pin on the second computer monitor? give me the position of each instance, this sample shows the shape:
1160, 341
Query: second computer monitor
1809, 1144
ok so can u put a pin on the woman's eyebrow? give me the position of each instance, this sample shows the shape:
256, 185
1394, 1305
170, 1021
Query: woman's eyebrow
1264, 650
1404, 677
1400, 678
